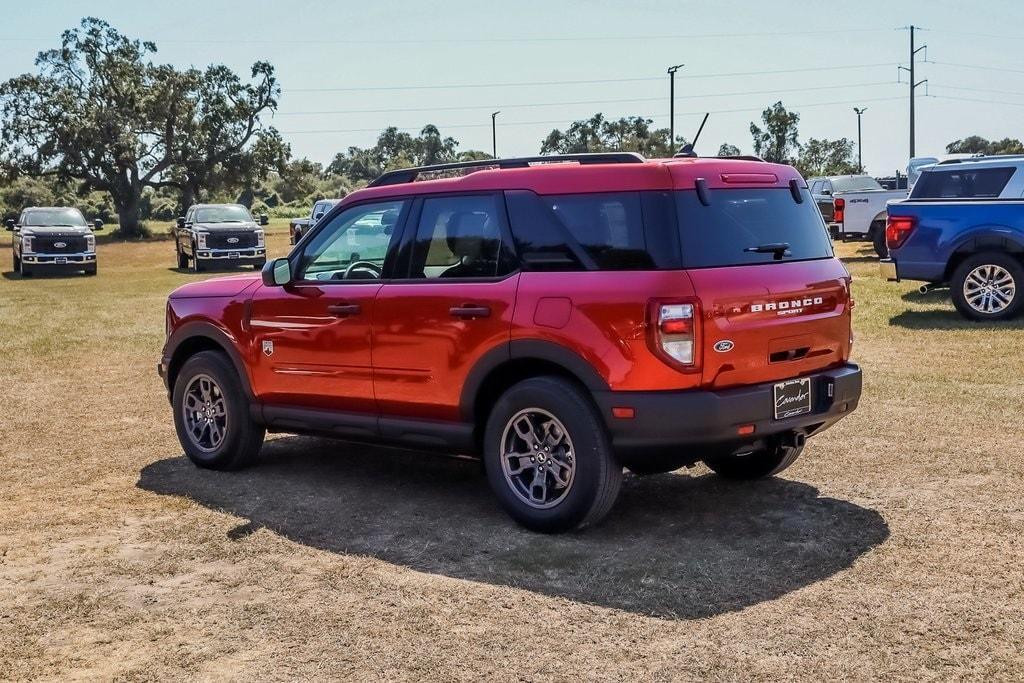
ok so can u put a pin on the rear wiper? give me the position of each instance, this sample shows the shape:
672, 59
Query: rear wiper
776, 249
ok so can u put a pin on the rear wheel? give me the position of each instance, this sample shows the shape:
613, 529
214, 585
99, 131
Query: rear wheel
878, 239
548, 456
763, 462
211, 414
987, 286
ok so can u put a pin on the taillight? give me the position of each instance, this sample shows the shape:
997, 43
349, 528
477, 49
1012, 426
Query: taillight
839, 209
674, 328
897, 230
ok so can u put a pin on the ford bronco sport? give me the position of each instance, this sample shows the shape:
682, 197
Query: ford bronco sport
559, 320
53, 239
219, 235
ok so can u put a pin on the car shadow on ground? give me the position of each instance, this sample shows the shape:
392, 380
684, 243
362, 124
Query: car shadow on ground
41, 275
948, 320
674, 546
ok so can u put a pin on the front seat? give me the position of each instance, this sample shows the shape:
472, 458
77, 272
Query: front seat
466, 236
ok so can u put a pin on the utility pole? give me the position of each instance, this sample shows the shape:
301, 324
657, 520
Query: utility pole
494, 134
672, 105
860, 158
913, 83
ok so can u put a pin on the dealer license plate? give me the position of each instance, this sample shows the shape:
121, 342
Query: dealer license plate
792, 398
61, 260
233, 254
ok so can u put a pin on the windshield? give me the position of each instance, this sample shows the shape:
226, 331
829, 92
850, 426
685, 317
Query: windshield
222, 214
748, 226
54, 217
855, 184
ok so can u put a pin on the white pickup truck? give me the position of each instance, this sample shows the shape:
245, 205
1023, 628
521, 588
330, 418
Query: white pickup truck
858, 207
297, 227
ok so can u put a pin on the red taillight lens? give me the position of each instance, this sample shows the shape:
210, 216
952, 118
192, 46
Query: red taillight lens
838, 210
897, 230
674, 328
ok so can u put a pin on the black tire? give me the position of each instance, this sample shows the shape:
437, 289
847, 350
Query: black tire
25, 270
16, 262
259, 264
878, 239
182, 257
597, 474
996, 260
764, 462
91, 270
197, 266
241, 439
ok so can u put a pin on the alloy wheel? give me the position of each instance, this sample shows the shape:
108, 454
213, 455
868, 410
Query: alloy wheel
989, 289
537, 458
205, 413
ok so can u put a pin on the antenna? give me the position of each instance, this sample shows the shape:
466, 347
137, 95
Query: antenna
687, 150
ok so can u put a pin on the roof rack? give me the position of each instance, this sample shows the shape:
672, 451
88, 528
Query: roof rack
981, 157
408, 175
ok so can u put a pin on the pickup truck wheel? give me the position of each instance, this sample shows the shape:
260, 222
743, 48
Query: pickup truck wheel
757, 464
878, 239
987, 286
25, 270
259, 264
211, 414
182, 258
197, 267
548, 456
16, 262
90, 270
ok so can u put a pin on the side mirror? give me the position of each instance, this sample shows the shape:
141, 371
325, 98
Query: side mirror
827, 193
264, 219
10, 224
180, 222
277, 273
97, 224
317, 217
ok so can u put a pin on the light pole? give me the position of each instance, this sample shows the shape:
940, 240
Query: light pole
860, 158
672, 105
494, 134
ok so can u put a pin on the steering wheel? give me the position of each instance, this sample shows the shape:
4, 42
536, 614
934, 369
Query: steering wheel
362, 265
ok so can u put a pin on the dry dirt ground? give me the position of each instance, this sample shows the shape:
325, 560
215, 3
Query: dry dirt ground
892, 549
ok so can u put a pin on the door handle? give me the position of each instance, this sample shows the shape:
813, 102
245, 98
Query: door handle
344, 310
470, 311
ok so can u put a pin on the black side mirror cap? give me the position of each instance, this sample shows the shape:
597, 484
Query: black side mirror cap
264, 219
97, 224
277, 273
10, 224
180, 222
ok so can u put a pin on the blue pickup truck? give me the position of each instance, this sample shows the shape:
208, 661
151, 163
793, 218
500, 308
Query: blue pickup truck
963, 226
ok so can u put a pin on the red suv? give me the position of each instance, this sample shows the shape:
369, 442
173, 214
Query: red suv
559, 320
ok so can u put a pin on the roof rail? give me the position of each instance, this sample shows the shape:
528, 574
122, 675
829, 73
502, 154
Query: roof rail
982, 157
744, 157
408, 175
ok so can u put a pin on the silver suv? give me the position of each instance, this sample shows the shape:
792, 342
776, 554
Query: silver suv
53, 239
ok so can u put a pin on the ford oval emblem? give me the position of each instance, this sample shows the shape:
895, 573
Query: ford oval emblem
724, 346
232, 240
60, 245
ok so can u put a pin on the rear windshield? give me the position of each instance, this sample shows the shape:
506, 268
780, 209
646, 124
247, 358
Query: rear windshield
962, 182
739, 222
855, 184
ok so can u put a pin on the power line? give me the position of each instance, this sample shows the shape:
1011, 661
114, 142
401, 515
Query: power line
974, 99
562, 121
582, 102
981, 67
988, 90
583, 82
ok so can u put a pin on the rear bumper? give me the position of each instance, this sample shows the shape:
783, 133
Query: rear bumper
710, 420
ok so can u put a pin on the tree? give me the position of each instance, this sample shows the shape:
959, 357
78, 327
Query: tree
727, 150
101, 113
827, 157
975, 144
777, 141
598, 134
397, 149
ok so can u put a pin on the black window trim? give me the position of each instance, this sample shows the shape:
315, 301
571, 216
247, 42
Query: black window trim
403, 255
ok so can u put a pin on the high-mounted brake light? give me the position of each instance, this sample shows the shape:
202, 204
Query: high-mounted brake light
674, 333
839, 210
898, 229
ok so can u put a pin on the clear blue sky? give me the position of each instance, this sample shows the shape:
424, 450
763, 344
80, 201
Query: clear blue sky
385, 46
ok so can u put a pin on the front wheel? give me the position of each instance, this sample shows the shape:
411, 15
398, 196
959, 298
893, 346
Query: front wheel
15, 261
197, 266
984, 287
763, 462
548, 456
211, 414
259, 264
182, 258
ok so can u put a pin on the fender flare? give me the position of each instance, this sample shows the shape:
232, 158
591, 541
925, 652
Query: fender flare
201, 329
526, 349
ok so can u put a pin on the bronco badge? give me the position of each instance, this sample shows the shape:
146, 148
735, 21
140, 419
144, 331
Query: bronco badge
268, 347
